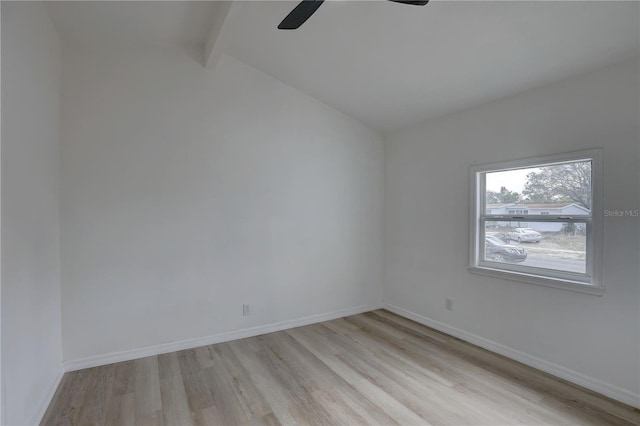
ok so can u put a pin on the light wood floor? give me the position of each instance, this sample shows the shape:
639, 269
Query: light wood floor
374, 368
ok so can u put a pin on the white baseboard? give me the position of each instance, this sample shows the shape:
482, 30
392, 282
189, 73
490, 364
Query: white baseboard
127, 355
45, 400
567, 374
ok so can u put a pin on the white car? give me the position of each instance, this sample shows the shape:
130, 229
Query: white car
525, 235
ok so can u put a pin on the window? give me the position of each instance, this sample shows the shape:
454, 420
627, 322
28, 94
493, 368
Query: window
523, 243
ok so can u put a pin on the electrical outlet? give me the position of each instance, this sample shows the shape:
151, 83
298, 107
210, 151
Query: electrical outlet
449, 304
246, 309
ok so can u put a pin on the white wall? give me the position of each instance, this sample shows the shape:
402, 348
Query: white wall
31, 341
187, 192
426, 233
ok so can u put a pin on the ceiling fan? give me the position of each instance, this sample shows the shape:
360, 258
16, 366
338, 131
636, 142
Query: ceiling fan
306, 8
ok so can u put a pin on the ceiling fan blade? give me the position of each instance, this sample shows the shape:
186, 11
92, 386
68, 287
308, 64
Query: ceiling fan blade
300, 14
412, 2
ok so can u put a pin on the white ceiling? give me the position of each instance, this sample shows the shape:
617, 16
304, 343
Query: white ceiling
390, 64
177, 23
384, 63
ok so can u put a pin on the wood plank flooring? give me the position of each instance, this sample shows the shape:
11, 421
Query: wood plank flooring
375, 368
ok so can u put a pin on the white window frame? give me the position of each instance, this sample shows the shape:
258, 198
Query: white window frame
591, 281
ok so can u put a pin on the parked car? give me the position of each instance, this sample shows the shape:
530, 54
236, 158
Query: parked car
498, 251
525, 235
500, 235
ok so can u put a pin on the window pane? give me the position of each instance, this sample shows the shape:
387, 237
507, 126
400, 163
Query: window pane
559, 189
559, 246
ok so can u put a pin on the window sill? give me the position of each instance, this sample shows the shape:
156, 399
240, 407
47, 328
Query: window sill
538, 280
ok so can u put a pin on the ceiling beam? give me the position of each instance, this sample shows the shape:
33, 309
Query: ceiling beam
213, 45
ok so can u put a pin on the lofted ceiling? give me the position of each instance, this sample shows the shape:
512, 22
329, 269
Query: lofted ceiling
385, 63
